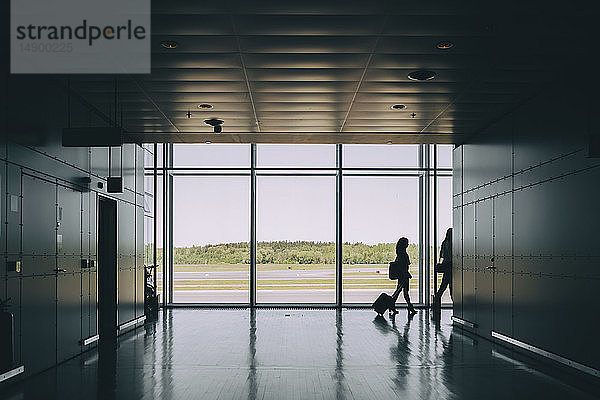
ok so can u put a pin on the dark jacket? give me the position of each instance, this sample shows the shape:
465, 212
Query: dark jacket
404, 262
446, 256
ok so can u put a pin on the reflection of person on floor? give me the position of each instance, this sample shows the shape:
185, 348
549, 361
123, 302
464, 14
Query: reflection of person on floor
445, 267
401, 354
404, 278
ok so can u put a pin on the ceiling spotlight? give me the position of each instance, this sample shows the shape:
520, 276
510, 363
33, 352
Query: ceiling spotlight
215, 123
445, 45
421, 75
413, 115
208, 142
169, 44
398, 106
388, 142
205, 106
189, 114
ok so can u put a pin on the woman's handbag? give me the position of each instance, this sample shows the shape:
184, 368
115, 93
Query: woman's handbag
394, 271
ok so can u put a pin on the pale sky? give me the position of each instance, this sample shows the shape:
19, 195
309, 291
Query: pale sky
216, 209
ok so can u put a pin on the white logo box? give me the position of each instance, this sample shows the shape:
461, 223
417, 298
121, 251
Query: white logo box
80, 37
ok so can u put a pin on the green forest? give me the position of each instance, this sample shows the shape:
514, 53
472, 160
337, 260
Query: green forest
282, 252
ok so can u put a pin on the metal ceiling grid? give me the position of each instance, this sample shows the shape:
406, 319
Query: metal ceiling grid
332, 71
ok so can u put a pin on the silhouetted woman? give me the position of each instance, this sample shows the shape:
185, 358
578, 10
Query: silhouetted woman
446, 267
404, 279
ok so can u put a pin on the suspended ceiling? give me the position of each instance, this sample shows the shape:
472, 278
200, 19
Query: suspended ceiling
329, 72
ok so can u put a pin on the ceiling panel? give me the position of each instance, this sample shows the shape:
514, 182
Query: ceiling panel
331, 71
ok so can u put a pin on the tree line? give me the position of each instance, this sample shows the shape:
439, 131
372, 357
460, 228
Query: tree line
283, 252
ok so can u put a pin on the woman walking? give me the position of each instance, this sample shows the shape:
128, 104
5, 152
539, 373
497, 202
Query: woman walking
403, 262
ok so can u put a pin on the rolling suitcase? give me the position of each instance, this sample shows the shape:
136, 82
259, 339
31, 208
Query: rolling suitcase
383, 303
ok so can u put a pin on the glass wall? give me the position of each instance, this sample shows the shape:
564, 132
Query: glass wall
259, 224
211, 239
441, 206
377, 211
295, 249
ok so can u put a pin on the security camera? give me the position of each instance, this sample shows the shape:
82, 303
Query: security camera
215, 123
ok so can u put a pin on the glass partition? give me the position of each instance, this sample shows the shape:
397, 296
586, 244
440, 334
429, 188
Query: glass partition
295, 155
295, 233
377, 211
295, 198
211, 155
211, 239
380, 156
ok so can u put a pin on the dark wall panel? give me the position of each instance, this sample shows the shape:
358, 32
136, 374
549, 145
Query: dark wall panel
38, 324
126, 310
49, 216
69, 222
68, 314
13, 217
529, 206
39, 216
13, 292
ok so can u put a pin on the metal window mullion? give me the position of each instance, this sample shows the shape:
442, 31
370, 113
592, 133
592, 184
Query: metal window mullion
435, 215
421, 230
169, 150
252, 283
155, 215
165, 222
338, 228
425, 196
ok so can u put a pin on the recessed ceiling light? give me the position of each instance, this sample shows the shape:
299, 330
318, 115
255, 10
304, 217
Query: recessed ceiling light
445, 45
421, 75
205, 105
208, 142
398, 106
169, 44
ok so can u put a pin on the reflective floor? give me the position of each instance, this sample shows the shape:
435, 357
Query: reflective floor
300, 354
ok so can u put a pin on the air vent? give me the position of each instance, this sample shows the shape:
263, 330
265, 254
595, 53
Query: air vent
421, 75
445, 45
169, 44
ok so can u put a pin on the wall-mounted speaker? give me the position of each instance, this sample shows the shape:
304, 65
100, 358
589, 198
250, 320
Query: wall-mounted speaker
114, 184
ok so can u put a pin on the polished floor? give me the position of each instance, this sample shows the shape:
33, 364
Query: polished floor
300, 354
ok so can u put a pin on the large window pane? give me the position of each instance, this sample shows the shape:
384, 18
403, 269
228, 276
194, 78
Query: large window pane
444, 155
159, 237
444, 221
380, 156
377, 211
296, 239
211, 155
211, 255
295, 155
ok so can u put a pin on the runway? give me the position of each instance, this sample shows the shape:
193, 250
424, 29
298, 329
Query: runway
301, 293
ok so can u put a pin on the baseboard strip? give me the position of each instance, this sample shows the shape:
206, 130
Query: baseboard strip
547, 354
132, 322
91, 339
13, 372
463, 322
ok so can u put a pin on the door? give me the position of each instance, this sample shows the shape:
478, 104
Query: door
68, 272
107, 270
484, 266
